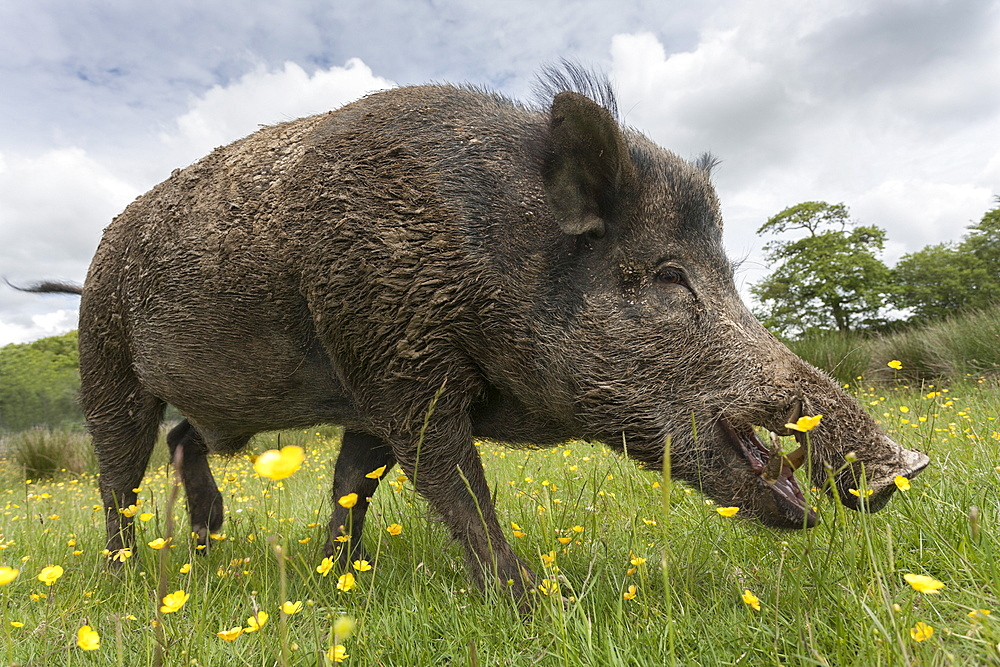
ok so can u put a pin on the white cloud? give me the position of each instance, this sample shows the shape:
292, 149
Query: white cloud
263, 97
923, 208
52, 208
695, 100
40, 326
798, 110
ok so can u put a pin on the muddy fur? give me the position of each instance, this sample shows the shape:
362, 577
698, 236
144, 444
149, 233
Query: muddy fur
539, 274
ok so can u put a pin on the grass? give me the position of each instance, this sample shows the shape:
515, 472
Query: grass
834, 595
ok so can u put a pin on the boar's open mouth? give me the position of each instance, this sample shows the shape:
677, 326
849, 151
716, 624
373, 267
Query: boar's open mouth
781, 502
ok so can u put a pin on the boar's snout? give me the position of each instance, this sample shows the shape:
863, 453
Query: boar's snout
881, 483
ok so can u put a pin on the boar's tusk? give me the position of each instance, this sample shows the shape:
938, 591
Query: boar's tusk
795, 412
772, 470
797, 458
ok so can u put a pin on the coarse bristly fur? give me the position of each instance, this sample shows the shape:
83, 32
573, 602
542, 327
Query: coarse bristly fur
435, 263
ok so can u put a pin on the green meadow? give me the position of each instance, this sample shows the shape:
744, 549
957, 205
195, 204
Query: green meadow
634, 570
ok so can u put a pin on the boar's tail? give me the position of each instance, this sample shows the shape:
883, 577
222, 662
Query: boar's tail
48, 287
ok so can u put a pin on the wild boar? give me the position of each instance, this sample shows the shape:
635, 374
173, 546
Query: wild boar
433, 264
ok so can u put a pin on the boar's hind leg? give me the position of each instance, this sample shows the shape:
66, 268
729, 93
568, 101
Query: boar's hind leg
203, 497
123, 441
449, 473
360, 454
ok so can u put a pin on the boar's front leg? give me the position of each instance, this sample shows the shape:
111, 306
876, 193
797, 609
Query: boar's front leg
203, 497
446, 469
360, 455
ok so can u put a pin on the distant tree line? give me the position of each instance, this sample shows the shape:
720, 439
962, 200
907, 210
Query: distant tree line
39, 383
833, 277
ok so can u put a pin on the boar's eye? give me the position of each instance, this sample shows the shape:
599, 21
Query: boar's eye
669, 275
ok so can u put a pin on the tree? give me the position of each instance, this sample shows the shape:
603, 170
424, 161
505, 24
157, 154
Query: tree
831, 279
983, 241
944, 279
39, 383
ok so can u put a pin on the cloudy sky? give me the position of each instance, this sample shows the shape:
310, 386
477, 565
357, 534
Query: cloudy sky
890, 106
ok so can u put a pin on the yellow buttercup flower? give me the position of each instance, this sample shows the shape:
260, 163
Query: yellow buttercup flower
337, 653
173, 601
727, 511
902, 483
630, 593
804, 424
547, 587
348, 501
394, 529
855, 492
923, 583
290, 607
185, 568
325, 566
146, 516
7, 575
256, 622
122, 555
751, 599
921, 631
279, 464
159, 543
346, 582
636, 560
362, 565
895, 364
377, 473
49, 575
88, 639
230, 634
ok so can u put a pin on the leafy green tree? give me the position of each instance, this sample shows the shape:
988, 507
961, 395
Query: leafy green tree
832, 278
39, 383
947, 278
983, 241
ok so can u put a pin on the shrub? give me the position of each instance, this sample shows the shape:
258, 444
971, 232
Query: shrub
43, 453
965, 345
845, 355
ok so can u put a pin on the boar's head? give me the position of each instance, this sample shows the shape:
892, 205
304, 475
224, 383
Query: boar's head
665, 350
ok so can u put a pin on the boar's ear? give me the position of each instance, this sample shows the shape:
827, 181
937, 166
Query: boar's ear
586, 164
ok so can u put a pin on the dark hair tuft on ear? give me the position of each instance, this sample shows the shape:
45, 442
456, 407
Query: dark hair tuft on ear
569, 76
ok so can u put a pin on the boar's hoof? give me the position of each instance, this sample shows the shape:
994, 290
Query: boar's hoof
778, 501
